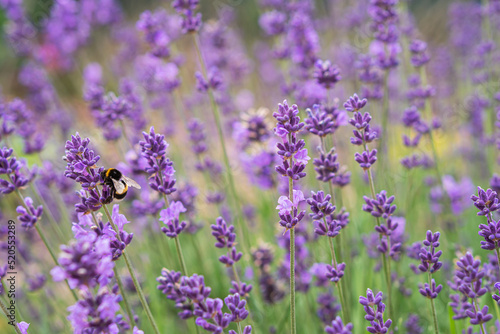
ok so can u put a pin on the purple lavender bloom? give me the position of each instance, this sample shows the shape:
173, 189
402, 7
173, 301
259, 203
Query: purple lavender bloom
326, 166
288, 126
486, 202
288, 210
36, 282
67, 29
154, 149
374, 309
412, 325
95, 313
354, 103
326, 74
495, 297
273, 23
429, 257
236, 306
169, 285
246, 330
479, 317
419, 55
338, 327
366, 159
30, 215
491, 235
319, 121
85, 262
335, 273
182, 5
243, 289
213, 80
10, 166
320, 205
197, 136
381, 206
223, 233
303, 40
469, 271
170, 217
430, 291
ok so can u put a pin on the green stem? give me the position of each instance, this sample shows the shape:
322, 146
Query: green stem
384, 259
48, 213
44, 240
217, 118
235, 273
181, 256
6, 312
239, 328
125, 301
293, 329
433, 309
339, 283
132, 274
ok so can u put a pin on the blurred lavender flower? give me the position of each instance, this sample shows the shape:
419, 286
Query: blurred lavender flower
10, 166
87, 261
273, 22
30, 215
338, 327
170, 217
191, 22
95, 313
160, 168
326, 74
412, 325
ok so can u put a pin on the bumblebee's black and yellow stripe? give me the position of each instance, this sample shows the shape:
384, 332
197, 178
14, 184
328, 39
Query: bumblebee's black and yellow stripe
118, 183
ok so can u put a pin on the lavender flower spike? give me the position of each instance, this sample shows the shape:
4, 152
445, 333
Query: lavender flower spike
374, 309
338, 327
486, 201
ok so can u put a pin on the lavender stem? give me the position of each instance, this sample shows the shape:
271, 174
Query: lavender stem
433, 309
132, 274
217, 118
6, 312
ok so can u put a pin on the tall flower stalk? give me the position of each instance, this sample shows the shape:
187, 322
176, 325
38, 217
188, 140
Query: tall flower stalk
81, 166
294, 160
430, 263
191, 24
379, 205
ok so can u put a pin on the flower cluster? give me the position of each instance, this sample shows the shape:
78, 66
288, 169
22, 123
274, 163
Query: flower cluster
170, 217
381, 207
291, 150
289, 211
363, 134
338, 327
374, 309
81, 166
160, 168
190, 22
226, 237
191, 296
326, 74
385, 30
468, 280
12, 168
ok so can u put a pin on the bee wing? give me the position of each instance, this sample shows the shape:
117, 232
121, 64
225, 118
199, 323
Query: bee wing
130, 182
120, 186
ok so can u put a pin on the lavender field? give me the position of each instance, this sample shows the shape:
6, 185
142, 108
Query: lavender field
249, 166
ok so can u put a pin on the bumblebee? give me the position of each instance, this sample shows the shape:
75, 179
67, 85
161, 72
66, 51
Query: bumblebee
118, 183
